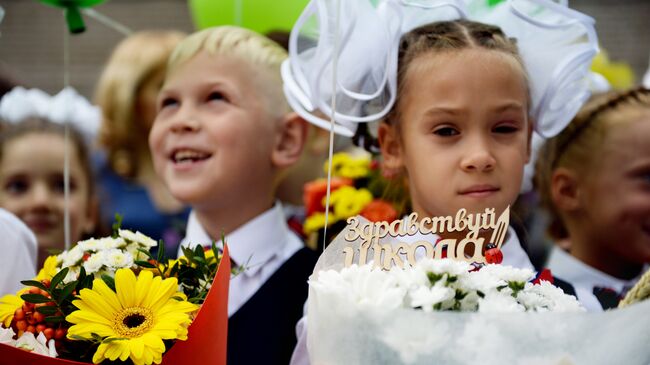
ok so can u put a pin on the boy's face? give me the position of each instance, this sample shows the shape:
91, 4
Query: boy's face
463, 131
31, 181
213, 136
616, 199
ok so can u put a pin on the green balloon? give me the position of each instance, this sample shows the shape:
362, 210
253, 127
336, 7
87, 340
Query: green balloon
261, 16
72, 12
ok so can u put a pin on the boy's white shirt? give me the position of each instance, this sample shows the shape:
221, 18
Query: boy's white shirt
513, 255
584, 278
19, 249
262, 244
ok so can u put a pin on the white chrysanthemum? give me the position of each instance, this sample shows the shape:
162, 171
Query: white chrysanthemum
91, 244
117, 259
137, 237
441, 266
544, 297
94, 262
107, 243
426, 298
470, 302
499, 303
38, 345
72, 257
508, 273
7, 336
73, 274
410, 277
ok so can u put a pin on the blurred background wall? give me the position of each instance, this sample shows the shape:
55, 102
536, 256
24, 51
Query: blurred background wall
31, 48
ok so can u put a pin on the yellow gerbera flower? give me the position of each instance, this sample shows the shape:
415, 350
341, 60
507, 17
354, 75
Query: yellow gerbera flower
8, 305
135, 319
344, 165
49, 269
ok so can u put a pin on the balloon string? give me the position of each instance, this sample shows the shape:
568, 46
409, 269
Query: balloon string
66, 145
335, 61
107, 21
238, 12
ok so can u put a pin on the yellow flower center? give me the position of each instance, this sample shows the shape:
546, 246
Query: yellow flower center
133, 322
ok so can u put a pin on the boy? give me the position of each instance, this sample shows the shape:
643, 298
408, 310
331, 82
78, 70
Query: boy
221, 141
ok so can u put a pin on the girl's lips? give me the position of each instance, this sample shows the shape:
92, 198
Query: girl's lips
40, 225
479, 191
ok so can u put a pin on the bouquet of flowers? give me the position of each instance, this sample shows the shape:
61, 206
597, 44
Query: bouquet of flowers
445, 312
357, 187
109, 300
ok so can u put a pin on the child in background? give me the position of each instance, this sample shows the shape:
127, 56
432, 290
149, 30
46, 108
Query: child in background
222, 140
594, 178
126, 93
32, 172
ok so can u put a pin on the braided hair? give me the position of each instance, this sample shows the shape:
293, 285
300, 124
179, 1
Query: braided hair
574, 147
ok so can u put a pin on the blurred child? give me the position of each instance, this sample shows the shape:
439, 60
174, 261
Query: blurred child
594, 178
127, 92
32, 182
221, 141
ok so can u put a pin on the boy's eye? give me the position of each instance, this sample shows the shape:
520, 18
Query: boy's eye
16, 186
168, 102
216, 96
446, 131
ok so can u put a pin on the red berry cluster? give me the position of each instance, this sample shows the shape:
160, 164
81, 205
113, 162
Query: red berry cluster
28, 319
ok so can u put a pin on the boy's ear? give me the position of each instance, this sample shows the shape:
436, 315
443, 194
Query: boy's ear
291, 139
565, 190
391, 150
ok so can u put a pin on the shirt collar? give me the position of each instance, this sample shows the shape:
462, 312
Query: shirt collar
252, 244
576, 272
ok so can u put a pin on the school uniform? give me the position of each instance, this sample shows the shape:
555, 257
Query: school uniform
595, 289
265, 301
513, 255
18, 250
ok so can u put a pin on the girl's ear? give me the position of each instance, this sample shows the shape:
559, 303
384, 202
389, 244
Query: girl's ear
290, 140
529, 150
565, 190
391, 150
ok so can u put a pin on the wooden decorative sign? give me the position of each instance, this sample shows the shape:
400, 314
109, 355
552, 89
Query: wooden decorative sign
385, 255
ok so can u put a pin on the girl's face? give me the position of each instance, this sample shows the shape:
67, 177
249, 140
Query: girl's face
615, 202
31, 187
463, 131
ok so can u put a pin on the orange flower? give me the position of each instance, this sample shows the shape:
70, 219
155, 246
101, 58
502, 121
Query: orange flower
315, 191
379, 210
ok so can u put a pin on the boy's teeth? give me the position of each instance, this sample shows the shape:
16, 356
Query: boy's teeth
186, 155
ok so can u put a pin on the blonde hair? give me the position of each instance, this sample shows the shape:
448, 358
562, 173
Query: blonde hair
133, 62
244, 44
576, 147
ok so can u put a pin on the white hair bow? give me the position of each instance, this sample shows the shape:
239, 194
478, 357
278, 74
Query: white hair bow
556, 44
67, 106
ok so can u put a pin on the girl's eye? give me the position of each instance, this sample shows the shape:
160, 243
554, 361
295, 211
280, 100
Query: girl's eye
58, 184
446, 131
505, 129
17, 186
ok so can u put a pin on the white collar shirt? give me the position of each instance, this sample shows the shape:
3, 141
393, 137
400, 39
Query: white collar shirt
18, 247
584, 278
262, 245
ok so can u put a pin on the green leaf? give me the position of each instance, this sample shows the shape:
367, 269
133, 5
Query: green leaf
199, 252
161, 251
145, 264
59, 277
49, 309
117, 225
35, 298
78, 338
110, 282
34, 283
54, 319
200, 260
66, 291
111, 339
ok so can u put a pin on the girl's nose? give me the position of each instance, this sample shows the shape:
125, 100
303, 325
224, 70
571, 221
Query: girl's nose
478, 158
41, 196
